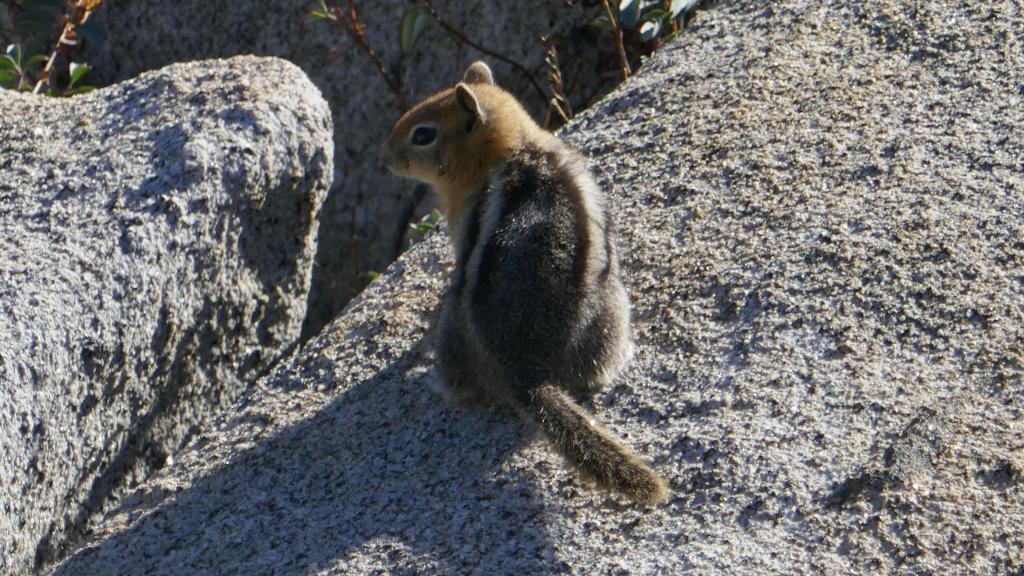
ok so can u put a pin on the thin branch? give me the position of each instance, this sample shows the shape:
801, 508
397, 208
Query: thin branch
668, 8
617, 32
455, 32
558, 102
79, 13
351, 25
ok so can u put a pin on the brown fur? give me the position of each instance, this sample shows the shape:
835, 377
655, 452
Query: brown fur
468, 158
535, 312
595, 453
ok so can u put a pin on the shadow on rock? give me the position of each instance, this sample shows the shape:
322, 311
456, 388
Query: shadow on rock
384, 474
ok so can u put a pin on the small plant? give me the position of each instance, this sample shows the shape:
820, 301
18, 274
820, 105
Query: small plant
414, 24
652, 19
15, 70
27, 65
346, 18
641, 26
427, 223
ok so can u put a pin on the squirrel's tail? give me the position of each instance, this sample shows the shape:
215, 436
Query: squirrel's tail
595, 453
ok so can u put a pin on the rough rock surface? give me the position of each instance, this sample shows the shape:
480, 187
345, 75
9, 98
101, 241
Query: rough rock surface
366, 214
158, 238
822, 221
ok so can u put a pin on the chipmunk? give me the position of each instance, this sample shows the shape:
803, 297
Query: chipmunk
536, 313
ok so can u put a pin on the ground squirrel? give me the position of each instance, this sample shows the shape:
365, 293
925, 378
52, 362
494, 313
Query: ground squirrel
536, 313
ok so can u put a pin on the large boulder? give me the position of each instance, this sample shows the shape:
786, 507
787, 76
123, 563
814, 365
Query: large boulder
821, 218
365, 217
157, 242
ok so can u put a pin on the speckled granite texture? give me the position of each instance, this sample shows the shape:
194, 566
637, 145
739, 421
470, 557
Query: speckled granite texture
157, 242
822, 225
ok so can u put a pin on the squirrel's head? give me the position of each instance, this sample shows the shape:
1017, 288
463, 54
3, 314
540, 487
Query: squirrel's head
453, 138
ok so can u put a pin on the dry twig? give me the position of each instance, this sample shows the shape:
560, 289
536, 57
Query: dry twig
617, 33
348, 21
455, 32
674, 24
78, 13
558, 102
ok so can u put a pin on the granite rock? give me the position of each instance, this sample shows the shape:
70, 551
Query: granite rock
157, 243
821, 214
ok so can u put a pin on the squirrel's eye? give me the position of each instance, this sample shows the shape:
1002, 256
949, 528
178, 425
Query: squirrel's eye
423, 135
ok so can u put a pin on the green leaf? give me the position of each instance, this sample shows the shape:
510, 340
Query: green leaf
653, 14
7, 64
77, 71
414, 23
317, 15
79, 90
14, 53
371, 275
37, 59
8, 78
649, 31
629, 13
427, 223
602, 23
680, 6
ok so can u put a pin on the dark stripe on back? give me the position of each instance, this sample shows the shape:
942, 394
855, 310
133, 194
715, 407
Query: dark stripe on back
520, 185
469, 240
530, 283
609, 247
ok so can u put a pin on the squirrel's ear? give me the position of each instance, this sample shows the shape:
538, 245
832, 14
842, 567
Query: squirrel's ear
468, 101
478, 73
